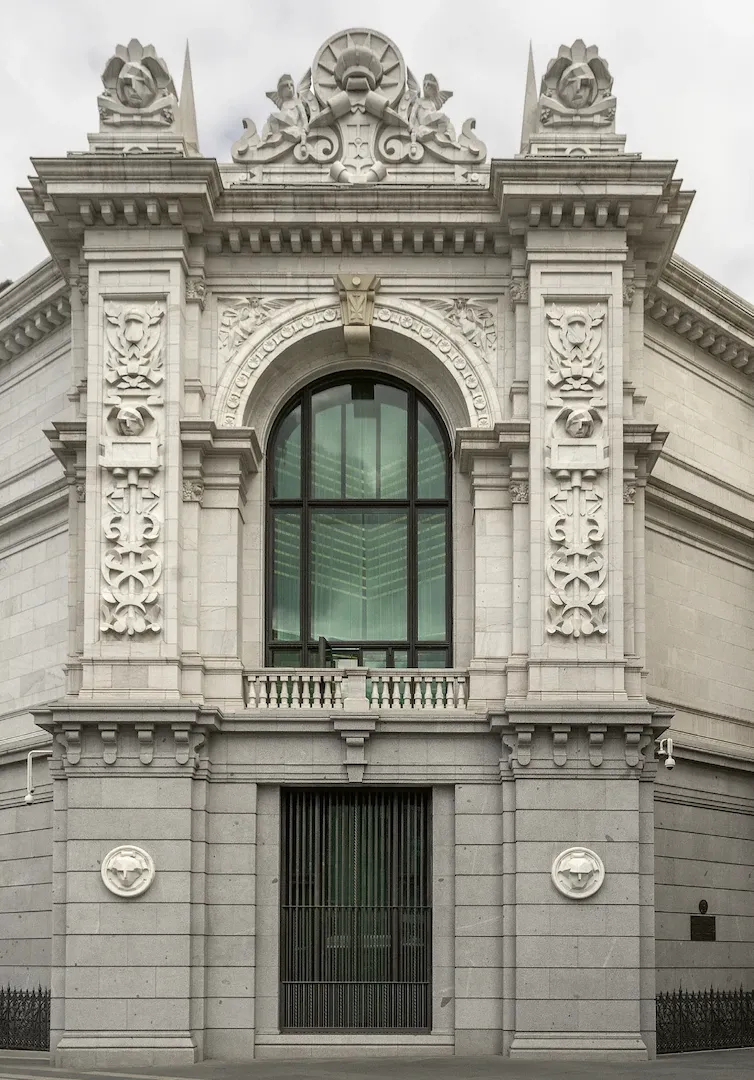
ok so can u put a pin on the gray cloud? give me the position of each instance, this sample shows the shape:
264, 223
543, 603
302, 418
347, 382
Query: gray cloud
682, 74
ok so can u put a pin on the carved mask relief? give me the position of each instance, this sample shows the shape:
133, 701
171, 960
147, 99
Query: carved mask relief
578, 873
127, 870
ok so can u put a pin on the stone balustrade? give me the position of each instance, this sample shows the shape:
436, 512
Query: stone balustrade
357, 689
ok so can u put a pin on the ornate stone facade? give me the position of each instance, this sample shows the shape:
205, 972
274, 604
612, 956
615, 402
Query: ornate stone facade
598, 555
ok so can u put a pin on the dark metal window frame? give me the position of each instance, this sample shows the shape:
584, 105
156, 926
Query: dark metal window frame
307, 646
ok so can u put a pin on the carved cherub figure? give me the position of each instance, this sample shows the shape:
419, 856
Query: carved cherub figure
423, 109
294, 107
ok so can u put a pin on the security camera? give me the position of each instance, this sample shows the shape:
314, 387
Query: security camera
665, 750
28, 797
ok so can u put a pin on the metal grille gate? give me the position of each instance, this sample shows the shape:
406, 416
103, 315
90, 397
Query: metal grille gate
355, 926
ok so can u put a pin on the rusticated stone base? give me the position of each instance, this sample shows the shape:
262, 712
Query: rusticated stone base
120, 1049
578, 1046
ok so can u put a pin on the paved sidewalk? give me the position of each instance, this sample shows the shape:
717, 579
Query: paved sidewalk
718, 1065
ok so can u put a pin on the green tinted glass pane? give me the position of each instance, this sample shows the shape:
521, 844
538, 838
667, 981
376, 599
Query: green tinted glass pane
359, 574
375, 658
286, 575
286, 658
400, 658
432, 462
392, 478
431, 658
286, 475
327, 431
431, 575
376, 442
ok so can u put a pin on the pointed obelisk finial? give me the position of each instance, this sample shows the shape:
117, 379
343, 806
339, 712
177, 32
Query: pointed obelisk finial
529, 123
187, 107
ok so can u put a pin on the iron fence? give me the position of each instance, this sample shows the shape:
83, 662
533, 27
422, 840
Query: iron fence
704, 1020
24, 1019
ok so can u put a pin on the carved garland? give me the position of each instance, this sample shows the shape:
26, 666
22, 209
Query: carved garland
131, 459
310, 319
576, 565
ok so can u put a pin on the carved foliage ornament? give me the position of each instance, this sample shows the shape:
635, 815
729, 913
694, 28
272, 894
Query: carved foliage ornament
578, 872
301, 323
576, 565
473, 318
138, 88
358, 110
127, 870
239, 319
131, 457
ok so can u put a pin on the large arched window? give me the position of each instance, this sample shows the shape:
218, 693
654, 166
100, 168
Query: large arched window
358, 529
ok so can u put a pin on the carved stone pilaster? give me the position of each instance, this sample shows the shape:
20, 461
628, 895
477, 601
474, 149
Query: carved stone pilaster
131, 459
357, 308
629, 492
576, 434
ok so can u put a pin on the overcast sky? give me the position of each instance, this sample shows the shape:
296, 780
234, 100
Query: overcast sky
682, 75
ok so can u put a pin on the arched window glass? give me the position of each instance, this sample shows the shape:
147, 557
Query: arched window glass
359, 529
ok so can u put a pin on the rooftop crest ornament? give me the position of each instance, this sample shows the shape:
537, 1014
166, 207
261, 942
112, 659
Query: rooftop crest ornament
358, 110
138, 87
578, 88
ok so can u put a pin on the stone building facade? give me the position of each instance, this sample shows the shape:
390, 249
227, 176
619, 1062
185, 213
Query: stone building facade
369, 511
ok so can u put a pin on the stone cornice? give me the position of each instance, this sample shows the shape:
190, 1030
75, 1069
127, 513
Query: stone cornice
32, 308
697, 307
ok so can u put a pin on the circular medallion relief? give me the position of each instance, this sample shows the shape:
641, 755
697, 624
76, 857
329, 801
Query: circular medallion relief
358, 61
578, 872
128, 870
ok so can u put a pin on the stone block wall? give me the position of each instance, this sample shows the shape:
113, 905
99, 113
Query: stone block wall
25, 877
705, 851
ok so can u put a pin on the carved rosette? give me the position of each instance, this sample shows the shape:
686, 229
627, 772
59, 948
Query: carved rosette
132, 463
576, 564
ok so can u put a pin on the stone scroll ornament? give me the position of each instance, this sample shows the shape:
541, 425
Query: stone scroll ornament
576, 564
358, 110
131, 460
138, 88
127, 871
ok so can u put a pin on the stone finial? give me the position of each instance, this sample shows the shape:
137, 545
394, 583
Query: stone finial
139, 108
138, 88
575, 112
